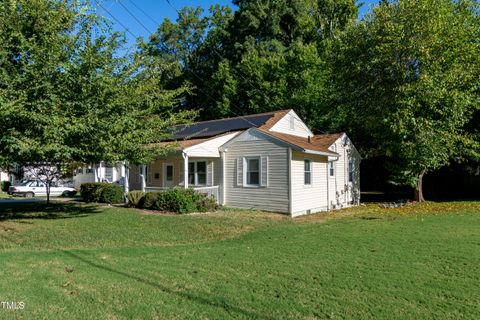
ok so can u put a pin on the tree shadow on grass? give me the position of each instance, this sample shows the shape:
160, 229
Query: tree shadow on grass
217, 302
17, 211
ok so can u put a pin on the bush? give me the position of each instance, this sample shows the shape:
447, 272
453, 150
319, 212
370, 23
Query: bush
112, 194
101, 192
136, 199
150, 200
184, 201
5, 185
207, 204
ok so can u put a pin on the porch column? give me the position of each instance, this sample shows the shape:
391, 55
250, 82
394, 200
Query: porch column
124, 177
96, 169
143, 184
185, 170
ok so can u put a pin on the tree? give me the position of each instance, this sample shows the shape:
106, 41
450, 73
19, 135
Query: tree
406, 84
67, 95
267, 55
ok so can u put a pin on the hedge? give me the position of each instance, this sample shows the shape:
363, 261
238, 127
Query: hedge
102, 192
177, 200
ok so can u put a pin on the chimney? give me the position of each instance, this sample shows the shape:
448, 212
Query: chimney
309, 139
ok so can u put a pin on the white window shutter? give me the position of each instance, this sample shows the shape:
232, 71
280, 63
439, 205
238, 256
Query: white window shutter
240, 171
264, 172
210, 173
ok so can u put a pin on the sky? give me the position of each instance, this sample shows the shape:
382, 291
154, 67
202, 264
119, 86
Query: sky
140, 18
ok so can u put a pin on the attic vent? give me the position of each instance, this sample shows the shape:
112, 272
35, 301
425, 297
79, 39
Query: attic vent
292, 122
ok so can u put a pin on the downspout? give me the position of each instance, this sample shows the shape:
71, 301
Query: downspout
185, 169
290, 187
224, 191
345, 176
328, 184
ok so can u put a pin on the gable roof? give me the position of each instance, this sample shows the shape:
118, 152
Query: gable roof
318, 143
212, 128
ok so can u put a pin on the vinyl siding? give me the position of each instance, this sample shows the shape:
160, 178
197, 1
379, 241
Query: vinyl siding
299, 127
311, 197
342, 191
272, 198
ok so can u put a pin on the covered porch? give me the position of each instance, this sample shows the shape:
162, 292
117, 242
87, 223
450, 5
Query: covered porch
197, 164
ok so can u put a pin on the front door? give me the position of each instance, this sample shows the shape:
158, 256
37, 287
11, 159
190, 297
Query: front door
168, 175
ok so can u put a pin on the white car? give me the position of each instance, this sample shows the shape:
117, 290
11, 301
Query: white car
32, 188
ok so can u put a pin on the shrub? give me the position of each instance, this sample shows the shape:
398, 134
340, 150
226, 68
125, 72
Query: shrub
101, 192
136, 199
5, 185
87, 191
150, 200
207, 204
112, 194
184, 201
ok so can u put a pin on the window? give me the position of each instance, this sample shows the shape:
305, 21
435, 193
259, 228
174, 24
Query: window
253, 171
197, 173
307, 172
191, 173
350, 170
331, 167
169, 173
202, 173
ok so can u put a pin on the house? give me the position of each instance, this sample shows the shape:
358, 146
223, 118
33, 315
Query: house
269, 161
4, 176
101, 172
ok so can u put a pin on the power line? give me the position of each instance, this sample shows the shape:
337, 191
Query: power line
134, 17
143, 11
118, 21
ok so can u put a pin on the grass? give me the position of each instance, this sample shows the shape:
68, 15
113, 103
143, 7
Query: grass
71, 261
4, 195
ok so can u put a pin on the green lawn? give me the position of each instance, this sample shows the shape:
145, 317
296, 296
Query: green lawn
4, 195
87, 262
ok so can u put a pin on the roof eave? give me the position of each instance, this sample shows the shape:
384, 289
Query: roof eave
321, 153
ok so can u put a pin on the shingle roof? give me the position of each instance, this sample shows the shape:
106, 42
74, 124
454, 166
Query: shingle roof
319, 143
215, 127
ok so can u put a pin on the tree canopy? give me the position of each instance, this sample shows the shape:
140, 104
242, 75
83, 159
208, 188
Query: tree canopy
406, 83
67, 94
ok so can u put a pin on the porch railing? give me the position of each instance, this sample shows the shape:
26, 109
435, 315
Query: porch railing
211, 191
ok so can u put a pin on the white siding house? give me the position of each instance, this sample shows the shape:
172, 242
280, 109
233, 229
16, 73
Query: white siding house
269, 161
4, 176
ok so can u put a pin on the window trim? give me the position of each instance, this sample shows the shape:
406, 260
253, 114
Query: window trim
331, 167
246, 171
350, 171
195, 173
310, 171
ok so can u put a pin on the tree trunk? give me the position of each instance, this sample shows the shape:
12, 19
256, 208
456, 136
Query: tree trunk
48, 192
419, 187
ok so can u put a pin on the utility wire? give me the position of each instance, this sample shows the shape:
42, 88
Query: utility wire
143, 11
116, 20
134, 17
